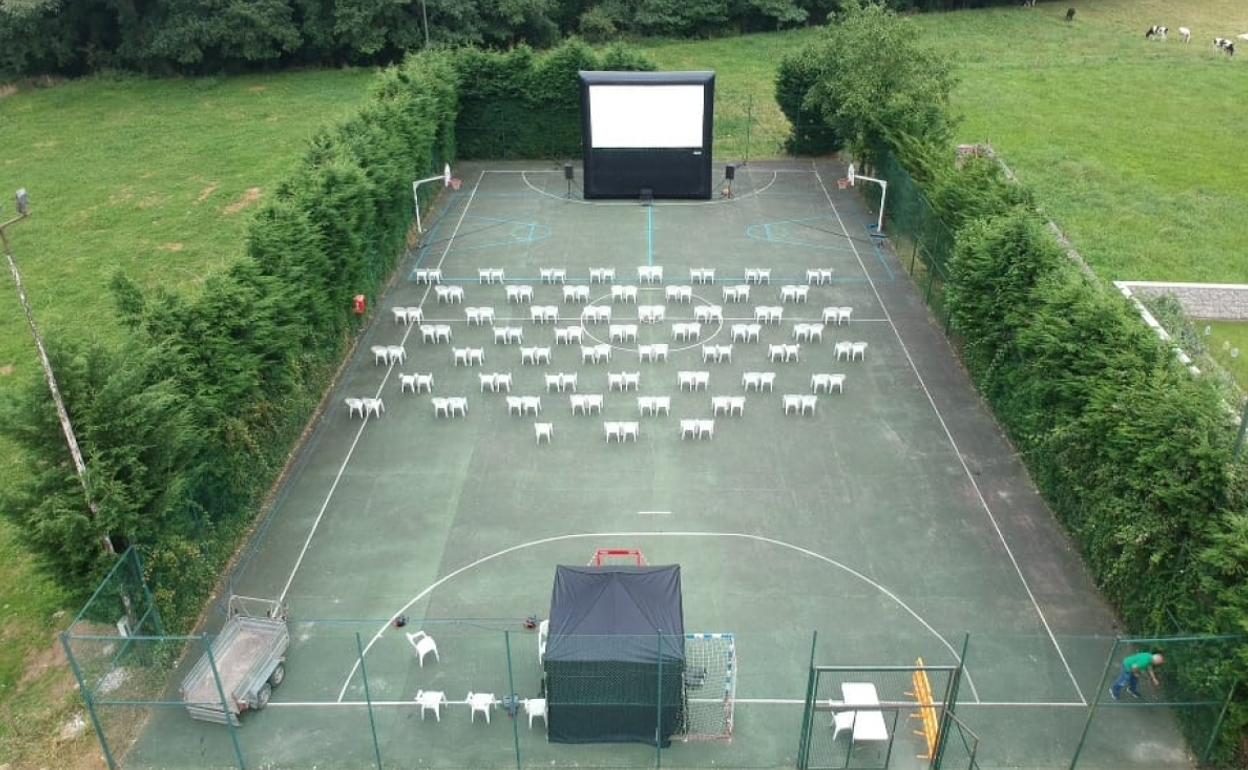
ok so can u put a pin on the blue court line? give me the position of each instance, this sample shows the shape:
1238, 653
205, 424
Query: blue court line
763, 232
650, 235
879, 255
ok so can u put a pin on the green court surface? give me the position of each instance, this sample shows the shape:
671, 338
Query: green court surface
894, 520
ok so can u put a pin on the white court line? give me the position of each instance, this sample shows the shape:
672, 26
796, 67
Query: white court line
948, 434
656, 204
577, 536
668, 319
654, 513
737, 701
351, 450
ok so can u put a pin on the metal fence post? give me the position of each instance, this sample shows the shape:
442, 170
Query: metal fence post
1217, 724
147, 594
368, 698
803, 743
89, 701
515, 702
225, 704
1096, 699
658, 726
749, 123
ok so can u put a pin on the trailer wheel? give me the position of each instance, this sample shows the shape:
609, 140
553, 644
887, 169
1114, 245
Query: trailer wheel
262, 697
278, 676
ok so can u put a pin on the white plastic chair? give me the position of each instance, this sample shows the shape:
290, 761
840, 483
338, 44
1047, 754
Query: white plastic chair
480, 701
842, 721
424, 644
430, 700
535, 707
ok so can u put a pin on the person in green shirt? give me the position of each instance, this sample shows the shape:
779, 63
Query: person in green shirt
1132, 665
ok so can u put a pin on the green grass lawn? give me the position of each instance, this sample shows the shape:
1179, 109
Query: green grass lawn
156, 178
1228, 344
1134, 147
745, 74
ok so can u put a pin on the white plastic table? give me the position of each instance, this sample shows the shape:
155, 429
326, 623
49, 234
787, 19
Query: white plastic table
868, 725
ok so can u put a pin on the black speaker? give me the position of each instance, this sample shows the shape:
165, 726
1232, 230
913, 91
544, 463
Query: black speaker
567, 171
730, 172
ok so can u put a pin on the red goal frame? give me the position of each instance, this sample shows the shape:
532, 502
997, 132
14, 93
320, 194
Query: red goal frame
601, 555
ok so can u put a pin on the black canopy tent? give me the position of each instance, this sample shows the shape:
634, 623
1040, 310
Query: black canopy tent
615, 655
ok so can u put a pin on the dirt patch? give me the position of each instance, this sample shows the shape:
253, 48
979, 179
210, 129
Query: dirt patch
39, 661
207, 192
174, 247
257, 89
251, 196
7, 90
6, 370
151, 201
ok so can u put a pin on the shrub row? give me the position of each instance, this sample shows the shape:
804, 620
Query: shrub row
518, 104
1132, 453
186, 425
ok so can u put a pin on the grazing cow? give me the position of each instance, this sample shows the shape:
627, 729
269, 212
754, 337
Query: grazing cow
1223, 44
1070, 14
1156, 32
1186, 34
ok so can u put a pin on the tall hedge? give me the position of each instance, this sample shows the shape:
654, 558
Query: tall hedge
519, 104
186, 425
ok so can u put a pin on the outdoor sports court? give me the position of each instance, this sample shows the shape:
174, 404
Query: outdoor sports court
891, 518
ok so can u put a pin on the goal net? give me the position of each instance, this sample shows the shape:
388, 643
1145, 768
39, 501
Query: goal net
710, 686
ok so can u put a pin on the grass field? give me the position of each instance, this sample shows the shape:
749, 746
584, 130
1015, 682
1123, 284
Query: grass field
152, 177
1228, 343
1134, 147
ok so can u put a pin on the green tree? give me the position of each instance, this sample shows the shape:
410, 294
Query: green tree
876, 81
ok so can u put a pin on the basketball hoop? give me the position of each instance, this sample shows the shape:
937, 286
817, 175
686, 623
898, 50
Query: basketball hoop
851, 176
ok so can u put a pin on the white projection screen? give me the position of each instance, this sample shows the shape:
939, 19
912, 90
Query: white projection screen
646, 115
647, 135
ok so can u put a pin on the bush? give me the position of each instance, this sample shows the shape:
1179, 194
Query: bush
521, 105
186, 425
795, 77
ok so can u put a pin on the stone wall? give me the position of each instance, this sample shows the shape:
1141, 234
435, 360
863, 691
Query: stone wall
1200, 301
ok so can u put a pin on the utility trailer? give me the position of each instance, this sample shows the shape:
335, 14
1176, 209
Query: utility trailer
249, 654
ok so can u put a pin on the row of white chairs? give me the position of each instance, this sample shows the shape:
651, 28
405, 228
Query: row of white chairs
523, 405
799, 403
645, 274
389, 354
621, 431
407, 315
509, 335
502, 381
364, 407
542, 314
478, 703
623, 381
449, 294
454, 406
784, 353
478, 315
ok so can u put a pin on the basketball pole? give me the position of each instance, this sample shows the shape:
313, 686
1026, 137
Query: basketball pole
853, 180
444, 177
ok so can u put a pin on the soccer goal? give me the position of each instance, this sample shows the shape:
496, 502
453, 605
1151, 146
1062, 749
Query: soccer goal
710, 686
607, 556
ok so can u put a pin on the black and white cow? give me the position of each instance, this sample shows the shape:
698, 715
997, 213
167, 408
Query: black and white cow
1156, 32
1224, 44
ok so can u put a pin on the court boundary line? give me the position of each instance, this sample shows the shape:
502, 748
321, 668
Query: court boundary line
307, 543
608, 203
953, 443
737, 701
583, 535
